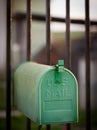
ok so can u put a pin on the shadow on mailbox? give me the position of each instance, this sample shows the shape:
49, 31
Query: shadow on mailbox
46, 94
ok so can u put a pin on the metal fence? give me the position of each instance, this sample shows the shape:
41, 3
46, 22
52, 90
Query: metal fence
48, 19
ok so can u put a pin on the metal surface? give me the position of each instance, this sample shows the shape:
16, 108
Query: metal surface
29, 20
48, 30
46, 97
8, 66
39, 127
88, 105
28, 126
68, 44
48, 127
39, 17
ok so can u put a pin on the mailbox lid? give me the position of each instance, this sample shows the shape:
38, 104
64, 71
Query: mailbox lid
59, 97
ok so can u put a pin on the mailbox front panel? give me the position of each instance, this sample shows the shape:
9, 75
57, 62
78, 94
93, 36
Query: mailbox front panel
59, 100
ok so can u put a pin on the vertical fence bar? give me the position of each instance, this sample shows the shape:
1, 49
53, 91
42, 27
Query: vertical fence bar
29, 20
88, 105
68, 33
8, 66
68, 45
48, 127
48, 30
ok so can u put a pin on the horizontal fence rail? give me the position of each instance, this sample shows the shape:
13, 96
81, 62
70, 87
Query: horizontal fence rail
42, 18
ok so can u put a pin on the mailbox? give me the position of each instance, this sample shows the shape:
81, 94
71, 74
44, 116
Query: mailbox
46, 94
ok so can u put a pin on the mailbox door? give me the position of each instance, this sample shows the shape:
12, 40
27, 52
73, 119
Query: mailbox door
58, 99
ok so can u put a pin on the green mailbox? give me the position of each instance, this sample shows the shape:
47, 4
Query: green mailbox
46, 94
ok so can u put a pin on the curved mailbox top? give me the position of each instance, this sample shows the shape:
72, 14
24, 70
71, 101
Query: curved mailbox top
46, 94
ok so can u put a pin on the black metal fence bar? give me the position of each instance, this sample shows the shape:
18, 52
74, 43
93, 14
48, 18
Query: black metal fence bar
68, 45
88, 105
48, 127
29, 20
48, 30
8, 66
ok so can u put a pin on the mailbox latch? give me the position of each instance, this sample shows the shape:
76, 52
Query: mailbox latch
59, 70
60, 65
